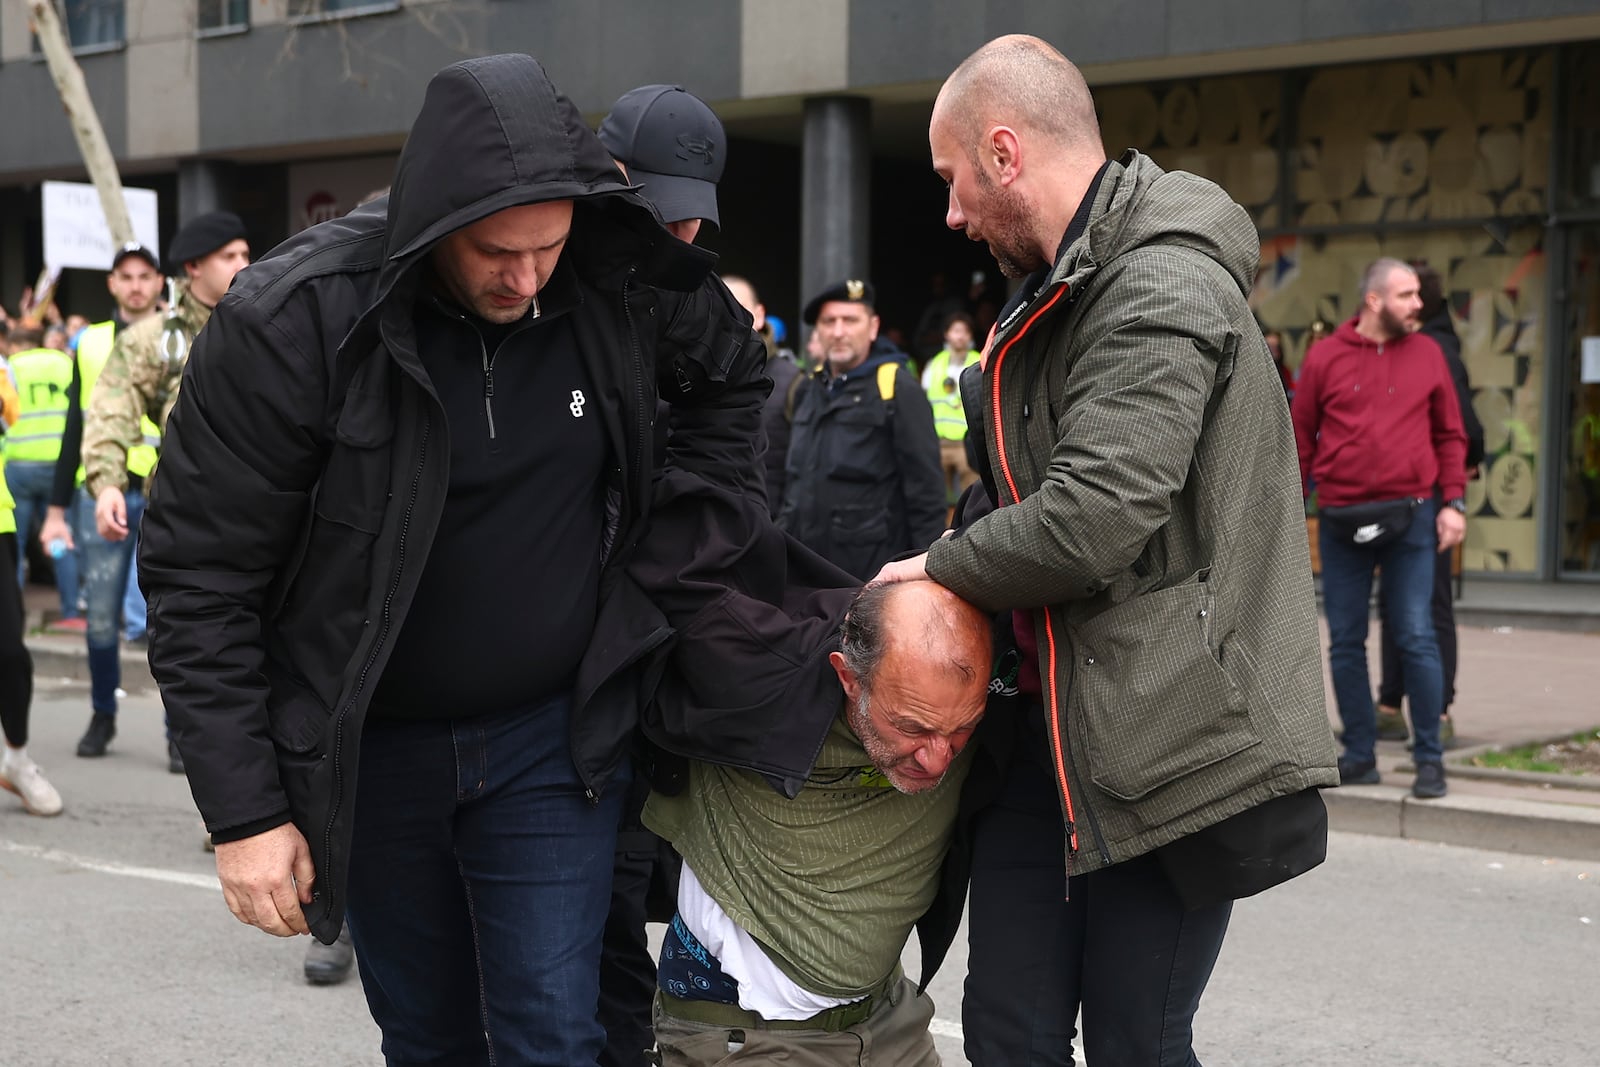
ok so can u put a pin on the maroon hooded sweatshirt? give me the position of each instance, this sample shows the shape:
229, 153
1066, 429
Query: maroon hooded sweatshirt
1378, 421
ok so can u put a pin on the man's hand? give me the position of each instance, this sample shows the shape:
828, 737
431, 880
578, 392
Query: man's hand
905, 570
1452, 527
55, 528
266, 879
111, 514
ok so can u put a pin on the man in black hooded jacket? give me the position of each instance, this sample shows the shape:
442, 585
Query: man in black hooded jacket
410, 459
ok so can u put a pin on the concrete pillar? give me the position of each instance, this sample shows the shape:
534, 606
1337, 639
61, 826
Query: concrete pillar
203, 185
835, 173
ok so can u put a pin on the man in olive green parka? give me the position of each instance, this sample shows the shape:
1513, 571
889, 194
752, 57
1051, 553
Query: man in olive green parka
1150, 546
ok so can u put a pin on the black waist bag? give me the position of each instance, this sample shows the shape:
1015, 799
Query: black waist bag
1369, 525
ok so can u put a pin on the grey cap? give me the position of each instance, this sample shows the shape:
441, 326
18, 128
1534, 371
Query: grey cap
673, 147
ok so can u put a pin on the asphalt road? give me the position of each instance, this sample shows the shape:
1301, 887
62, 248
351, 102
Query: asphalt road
118, 950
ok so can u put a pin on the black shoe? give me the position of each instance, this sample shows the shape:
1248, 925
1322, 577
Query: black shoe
174, 758
102, 728
1358, 772
330, 964
1430, 782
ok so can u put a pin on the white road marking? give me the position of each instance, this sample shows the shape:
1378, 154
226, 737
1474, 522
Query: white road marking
89, 863
938, 1027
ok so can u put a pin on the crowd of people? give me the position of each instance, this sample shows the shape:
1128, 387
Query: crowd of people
794, 654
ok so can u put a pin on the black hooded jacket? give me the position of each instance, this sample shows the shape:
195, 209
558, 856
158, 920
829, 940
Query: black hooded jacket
305, 466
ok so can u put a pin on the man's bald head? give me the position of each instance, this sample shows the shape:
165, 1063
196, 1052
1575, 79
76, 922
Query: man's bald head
1021, 82
914, 662
921, 627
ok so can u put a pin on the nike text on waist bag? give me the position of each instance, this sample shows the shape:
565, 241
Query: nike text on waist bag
1371, 525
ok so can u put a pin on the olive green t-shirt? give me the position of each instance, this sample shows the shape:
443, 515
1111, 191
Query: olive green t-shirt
829, 883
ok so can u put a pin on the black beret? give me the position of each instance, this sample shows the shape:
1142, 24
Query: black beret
203, 235
851, 290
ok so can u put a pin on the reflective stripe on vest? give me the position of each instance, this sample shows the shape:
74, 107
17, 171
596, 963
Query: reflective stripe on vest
94, 348
944, 394
42, 376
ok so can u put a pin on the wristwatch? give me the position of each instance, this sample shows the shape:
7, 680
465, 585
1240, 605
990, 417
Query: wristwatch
1459, 503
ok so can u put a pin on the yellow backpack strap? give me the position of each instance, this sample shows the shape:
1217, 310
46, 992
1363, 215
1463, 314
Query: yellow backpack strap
886, 376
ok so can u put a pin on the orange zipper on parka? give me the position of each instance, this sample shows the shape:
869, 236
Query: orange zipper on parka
1058, 750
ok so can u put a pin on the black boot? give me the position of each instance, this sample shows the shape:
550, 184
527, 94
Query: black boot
330, 964
174, 758
102, 728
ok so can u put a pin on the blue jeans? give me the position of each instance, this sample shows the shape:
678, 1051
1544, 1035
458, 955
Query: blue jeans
134, 615
105, 582
480, 877
1408, 565
30, 484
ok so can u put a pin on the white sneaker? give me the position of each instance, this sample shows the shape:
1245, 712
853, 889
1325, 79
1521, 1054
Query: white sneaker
23, 777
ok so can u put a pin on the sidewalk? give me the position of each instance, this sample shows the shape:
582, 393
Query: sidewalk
1514, 685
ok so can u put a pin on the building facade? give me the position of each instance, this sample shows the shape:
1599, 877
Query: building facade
1465, 133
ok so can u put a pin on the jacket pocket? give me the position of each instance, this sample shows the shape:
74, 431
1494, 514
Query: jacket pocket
1156, 701
856, 442
296, 718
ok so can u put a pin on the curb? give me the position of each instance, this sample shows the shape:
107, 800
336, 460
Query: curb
1499, 824
52, 660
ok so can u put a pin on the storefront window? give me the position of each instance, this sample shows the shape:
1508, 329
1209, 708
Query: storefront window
1225, 129
1464, 137
1581, 190
1496, 290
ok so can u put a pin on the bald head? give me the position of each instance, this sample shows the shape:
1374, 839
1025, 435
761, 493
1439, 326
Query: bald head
1021, 82
920, 627
914, 663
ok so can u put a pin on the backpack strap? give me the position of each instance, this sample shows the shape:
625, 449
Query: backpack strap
886, 376
790, 394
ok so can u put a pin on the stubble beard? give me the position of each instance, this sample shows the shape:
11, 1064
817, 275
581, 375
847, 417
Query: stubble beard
879, 752
1006, 232
1395, 327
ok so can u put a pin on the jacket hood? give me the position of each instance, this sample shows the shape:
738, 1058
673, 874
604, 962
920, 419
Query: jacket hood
1138, 204
494, 133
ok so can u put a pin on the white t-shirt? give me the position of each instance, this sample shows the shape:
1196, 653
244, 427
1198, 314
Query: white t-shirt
763, 987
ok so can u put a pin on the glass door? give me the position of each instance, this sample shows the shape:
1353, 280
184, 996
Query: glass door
1580, 481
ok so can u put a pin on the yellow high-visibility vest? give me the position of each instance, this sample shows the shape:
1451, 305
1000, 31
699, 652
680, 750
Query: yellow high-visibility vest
8, 506
94, 348
42, 376
942, 383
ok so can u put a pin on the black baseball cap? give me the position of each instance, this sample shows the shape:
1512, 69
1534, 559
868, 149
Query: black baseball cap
673, 147
134, 248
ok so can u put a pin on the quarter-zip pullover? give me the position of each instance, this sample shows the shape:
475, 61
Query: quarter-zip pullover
509, 591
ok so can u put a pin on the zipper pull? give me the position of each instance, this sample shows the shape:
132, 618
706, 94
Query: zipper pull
488, 382
1072, 847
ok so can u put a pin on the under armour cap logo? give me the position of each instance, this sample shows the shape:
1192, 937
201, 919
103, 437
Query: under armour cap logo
576, 407
690, 146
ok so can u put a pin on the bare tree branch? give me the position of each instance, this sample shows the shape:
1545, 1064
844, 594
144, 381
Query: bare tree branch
86, 128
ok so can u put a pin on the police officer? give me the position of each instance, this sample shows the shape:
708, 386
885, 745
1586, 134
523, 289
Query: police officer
140, 380
864, 479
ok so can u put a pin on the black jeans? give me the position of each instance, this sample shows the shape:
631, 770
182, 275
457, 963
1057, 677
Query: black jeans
644, 886
16, 666
1392, 687
1122, 948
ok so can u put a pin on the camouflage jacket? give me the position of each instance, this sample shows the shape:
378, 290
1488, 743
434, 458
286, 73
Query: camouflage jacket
140, 378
